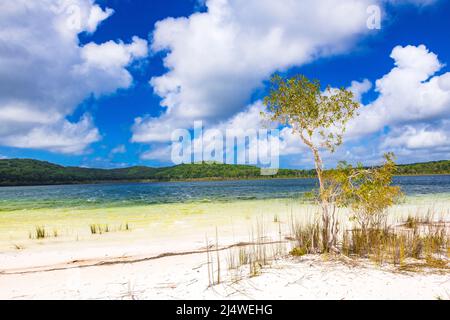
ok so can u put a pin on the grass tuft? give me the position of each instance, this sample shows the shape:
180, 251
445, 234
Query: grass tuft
105, 228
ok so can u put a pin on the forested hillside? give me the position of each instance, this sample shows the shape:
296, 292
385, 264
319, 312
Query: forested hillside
33, 172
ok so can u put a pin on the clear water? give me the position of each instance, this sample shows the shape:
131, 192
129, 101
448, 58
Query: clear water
133, 194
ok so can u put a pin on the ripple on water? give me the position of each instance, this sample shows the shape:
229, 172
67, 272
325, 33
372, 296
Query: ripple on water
419, 189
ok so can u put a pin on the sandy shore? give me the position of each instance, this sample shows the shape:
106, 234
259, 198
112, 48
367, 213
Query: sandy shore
185, 277
164, 256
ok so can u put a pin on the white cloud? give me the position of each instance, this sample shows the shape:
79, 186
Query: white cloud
413, 107
243, 124
360, 88
96, 16
410, 92
61, 137
217, 58
158, 153
413, 102
120, 149
45, 73
418, 137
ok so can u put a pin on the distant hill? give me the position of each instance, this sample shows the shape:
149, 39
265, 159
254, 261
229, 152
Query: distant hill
433, 167
15, 172
22, 172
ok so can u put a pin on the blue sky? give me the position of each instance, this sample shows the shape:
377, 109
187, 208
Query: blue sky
111, 135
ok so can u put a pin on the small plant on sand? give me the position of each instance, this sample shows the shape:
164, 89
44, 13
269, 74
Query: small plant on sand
105, 228
125, 227
276, 219
255, 268
39, 233
396, 245
214, 274
412, 222
307, 237
99, 228
299, 252
367, 192
250, 258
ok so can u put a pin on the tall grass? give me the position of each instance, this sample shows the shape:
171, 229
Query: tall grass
214, 274
99, 228
307, 237
105, 228
410, 242
40, 232
416, 238
250, 258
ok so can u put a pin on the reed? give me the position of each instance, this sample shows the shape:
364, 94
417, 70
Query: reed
214, 268
218, 256
105, 228
41, 233
416, 238
252, 257
307, 237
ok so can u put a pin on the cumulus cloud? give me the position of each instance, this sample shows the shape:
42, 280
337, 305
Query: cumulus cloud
418, 137
410, 116
61, 137
45, 73
360, 88
410, 92
215, 59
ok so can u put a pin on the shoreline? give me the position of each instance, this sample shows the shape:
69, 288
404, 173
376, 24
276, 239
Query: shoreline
217, 179
167, 250
170, 260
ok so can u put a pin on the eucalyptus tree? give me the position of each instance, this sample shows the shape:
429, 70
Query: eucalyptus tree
319, 119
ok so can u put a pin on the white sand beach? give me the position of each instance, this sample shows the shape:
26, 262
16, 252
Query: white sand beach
165, 256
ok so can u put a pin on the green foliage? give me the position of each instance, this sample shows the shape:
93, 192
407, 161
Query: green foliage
319, 119
368, 192
299, 252
33, 172
434, 167
41, 233
301, 104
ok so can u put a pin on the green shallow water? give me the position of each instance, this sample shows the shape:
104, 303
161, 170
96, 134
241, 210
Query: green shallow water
420, 188
168, 209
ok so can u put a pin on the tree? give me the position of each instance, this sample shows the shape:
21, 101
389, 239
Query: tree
367, 192
319, 119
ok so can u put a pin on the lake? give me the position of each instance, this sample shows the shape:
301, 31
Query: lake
130, 194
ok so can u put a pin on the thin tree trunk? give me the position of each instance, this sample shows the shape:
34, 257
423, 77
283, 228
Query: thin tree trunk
328, 234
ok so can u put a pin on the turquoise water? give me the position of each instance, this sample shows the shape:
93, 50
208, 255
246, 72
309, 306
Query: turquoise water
131, 194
